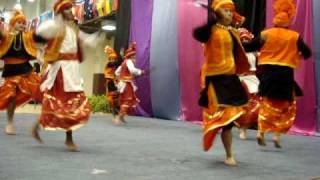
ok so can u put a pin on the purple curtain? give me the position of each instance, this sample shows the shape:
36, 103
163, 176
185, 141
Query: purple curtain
303, 23
140, 32
190, 59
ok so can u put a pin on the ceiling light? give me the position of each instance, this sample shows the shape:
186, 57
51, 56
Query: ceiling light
17, 6
108, 25
30, 0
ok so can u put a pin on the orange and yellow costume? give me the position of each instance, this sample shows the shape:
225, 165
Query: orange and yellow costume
16, 50
280, 55
64, 104
109, 73
222, 95
126, 73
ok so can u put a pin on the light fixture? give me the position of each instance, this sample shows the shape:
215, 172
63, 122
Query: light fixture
108, 25
17, 6
30, 0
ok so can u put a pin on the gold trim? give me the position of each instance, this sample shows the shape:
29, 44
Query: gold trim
224, 124
5, 43
29, 43
278, 63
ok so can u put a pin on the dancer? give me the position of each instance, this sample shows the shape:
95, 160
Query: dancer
280, 50
64, 104
223, 96
251, 83
126, 86
109, 73
17, 48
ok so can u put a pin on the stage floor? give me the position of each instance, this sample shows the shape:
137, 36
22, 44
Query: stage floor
149, 149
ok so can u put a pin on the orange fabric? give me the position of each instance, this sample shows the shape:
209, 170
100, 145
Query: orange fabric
276, 115
219, 57
23, 88
215, 117
284, 11
17, 16
131, 51
53, 47
68, 56
61, 5
28, 42
112, 57
63, 110
125, 74
14, 60
251, 112
216, 4
112, 98
128, 99
280, 48
110, 52
109, 72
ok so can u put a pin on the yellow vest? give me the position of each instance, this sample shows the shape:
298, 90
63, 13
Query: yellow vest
27, 39
219, 57
280, 48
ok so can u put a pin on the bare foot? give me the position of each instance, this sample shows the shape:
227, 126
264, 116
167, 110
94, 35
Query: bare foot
71, 146
118, 121
10, 129
35, 135
261, 141
243, 134
277, 143
230, 161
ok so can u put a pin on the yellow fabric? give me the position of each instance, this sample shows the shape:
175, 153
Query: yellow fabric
216, 4
53, 47
215, 117
219, 57
280, 48
28, 42
276, 115
107, 7
101, 7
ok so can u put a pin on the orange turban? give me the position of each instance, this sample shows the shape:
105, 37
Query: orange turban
110, 52
131, 51
61, 5
18, 16
216, 4
284, 10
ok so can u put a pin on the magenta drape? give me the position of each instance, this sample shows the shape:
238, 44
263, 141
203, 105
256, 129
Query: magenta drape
190, 59
305, 76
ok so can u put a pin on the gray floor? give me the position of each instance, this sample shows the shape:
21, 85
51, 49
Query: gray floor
149, 149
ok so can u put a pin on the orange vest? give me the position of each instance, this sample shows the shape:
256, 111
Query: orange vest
28, 42
219, 57
280, 48
52, 49
125, 74
109, 71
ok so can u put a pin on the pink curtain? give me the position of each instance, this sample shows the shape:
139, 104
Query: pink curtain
190, 57
305, 76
